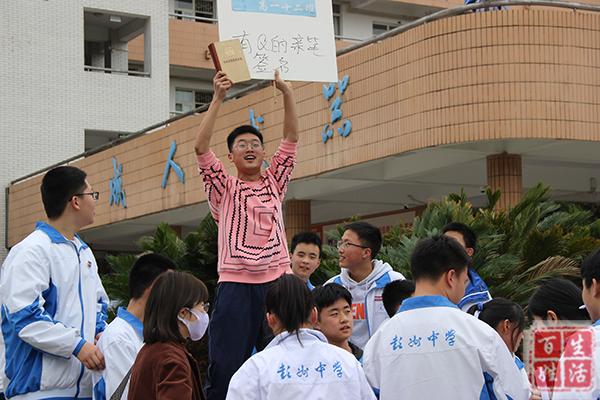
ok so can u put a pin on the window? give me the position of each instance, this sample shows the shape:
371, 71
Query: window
114, 43
189, 99
337, 19
195, 8
379, 28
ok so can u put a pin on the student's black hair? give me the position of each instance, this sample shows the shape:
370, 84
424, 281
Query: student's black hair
436, 255
171, 292
308, 238
289, 299
590, 268
394, 293
145, 270
497, 310
240, 130
326, 295
369, 235
558, 295
59, 185
468, 235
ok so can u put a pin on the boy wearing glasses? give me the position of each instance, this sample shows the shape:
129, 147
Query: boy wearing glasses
252, 242
53, 303
365, 277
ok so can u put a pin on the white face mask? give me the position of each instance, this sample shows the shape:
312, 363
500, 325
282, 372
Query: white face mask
198, 327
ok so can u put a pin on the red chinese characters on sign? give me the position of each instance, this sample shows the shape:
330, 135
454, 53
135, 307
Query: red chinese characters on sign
561, 359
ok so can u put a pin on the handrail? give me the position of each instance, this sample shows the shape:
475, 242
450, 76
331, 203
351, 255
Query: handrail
349, 39
116, 71
451, 12
193, 17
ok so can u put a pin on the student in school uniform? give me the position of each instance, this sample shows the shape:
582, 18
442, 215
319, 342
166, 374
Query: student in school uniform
52, 300
253, 249
306, 255
508, 319
298, 363
123, 337
573, 368
431, 349
334, 317
477, 291
365, 277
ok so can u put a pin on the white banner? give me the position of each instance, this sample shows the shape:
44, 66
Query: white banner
294, 36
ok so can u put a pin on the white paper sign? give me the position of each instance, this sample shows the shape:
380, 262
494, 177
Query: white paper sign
294, 36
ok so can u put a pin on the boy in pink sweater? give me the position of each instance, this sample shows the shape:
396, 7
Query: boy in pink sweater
252, 243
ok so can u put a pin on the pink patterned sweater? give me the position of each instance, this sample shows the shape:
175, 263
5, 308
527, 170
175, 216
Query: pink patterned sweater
252, 242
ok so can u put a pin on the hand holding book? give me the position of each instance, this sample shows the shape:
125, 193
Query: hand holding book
228, 57
221, 84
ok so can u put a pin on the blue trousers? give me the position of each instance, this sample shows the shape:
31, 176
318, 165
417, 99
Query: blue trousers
237, 327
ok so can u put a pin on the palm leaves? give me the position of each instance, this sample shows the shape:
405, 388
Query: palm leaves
196, 253
535, 240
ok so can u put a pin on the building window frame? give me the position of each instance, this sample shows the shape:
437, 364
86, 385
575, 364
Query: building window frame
337, 19
381, 27
197, 99
197, 9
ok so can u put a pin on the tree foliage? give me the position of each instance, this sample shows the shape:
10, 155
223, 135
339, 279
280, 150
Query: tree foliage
516, 249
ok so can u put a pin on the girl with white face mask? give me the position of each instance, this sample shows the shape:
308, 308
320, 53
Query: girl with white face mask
175, 312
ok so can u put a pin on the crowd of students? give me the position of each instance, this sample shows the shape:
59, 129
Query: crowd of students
366, 333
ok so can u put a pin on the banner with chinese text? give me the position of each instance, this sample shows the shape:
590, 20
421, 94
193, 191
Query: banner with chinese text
294, 36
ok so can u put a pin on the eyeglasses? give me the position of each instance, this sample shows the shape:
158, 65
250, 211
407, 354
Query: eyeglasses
205, 307
254, 145
95, 195
342, 244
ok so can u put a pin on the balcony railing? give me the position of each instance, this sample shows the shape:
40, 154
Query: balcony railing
193, 18
116, 71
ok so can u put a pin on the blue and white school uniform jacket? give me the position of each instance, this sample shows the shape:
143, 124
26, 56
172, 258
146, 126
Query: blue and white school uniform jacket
433, 350
367, 302
302, 366
120, 344
477, 291
52, 302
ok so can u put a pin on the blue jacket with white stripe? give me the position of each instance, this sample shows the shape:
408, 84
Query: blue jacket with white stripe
52, 302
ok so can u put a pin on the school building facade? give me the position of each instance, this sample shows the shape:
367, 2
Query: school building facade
503, 99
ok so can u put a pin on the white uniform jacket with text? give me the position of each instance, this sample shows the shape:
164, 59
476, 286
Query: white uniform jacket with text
433, 350
302, 366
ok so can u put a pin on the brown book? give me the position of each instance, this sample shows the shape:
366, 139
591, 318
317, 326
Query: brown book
228, 57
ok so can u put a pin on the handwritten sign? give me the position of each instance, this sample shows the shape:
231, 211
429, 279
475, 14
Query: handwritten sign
294, 36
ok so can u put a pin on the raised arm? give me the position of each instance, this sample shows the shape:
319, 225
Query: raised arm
290, 118
220, 85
